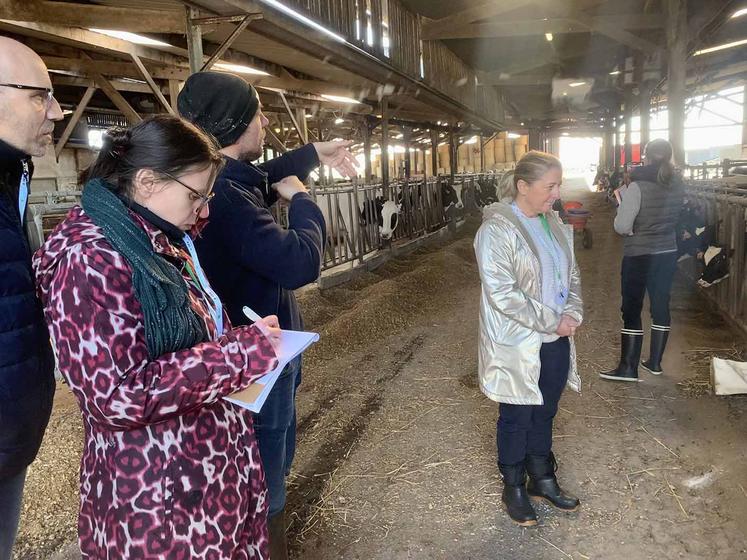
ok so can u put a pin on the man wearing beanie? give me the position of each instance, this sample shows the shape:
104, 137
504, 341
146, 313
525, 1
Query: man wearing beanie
249, 259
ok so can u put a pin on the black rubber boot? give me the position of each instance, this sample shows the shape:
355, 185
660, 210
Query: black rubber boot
515, 496
543, 484
659, 337
278, 539
630, 355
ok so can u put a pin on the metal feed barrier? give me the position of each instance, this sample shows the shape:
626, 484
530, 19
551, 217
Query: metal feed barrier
349, 210
725, 208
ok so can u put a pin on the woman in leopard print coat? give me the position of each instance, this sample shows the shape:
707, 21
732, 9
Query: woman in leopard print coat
169, 469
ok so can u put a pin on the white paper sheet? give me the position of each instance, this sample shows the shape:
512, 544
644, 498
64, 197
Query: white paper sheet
292, 343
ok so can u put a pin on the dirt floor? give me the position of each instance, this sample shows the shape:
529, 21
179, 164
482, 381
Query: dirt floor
396, 454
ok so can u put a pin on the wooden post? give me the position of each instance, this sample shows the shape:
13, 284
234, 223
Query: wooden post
408, 157
194, 40
174, 88
385, 147
676, 24
482, 155
452, 154
609, 145
434, 152
366, 129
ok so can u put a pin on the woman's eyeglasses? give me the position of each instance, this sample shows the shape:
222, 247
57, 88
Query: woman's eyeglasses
47, 97
206, 198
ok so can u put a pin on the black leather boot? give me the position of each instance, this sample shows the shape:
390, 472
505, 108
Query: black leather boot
659, 337
543, 483
630, 354
278, 539
515, 496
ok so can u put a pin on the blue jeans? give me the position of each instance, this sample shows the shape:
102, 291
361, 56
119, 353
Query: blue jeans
527, 429
11, 495
275, 426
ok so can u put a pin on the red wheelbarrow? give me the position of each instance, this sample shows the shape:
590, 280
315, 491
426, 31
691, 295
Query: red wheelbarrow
576, 216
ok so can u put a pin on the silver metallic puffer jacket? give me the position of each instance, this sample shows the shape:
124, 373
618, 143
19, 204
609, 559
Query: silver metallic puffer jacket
512, 316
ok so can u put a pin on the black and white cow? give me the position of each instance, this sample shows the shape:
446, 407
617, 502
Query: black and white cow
716, 269
385, 213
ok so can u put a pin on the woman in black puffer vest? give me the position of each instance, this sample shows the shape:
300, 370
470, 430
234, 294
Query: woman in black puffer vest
647, 216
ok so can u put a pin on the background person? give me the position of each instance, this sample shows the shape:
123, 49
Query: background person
530, 308
28, 111
648, 215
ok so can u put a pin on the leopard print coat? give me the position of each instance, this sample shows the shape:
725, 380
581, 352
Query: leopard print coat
169, 469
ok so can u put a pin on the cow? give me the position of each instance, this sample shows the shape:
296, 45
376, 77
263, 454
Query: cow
486, 192
716, 260
383, 212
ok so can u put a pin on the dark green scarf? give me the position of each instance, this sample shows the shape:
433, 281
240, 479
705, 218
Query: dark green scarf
170, 322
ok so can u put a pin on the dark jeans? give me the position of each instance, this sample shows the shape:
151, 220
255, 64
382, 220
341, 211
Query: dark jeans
11, 496
652, 274
527, 429
275, 426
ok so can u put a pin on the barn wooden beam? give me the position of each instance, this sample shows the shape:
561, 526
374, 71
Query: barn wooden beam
116, 97
92, 15
275, 142
174, 87
74, 121
84, 82
489, 9
91, 41
538, 27
194, 40
225, 45
617, 33
153, 86
293, 119
181, 73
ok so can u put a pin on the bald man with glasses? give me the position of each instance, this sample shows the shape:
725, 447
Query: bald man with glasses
28, 111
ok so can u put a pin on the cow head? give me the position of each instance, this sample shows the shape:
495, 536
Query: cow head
716, 269
389, 219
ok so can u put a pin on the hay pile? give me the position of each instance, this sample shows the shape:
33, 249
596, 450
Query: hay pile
385, 302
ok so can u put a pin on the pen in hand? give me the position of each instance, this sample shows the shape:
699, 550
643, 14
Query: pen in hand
250, 314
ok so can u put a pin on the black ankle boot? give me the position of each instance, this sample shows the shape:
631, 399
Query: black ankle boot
659, 336
278, 539
515, 496
630, 353
544, 485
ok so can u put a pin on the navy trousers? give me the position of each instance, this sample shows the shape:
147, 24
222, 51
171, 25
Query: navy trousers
647, 273
275, 428
527, 429
11, 496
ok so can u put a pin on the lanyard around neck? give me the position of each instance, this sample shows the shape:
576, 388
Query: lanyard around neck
216, 309
23, 191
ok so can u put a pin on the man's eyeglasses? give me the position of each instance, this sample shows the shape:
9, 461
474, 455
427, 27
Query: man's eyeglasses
206, 198
47, 98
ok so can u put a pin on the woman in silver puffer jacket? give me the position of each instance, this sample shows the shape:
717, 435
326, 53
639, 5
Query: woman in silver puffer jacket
530, 308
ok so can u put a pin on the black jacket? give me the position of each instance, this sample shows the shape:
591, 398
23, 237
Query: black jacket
26, 363
248, 258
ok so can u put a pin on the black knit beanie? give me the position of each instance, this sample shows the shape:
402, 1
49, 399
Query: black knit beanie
221, 104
